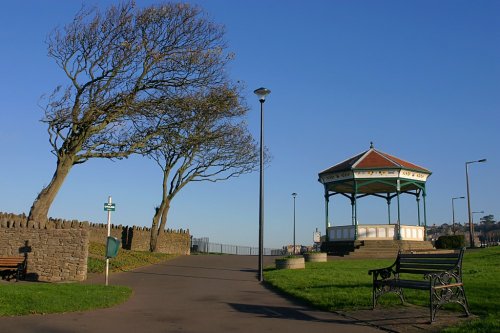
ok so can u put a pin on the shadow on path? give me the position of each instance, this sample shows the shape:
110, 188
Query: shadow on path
215, 268
290, 313
191, 276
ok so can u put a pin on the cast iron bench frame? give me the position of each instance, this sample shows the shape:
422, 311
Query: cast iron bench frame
442, 276
16, 265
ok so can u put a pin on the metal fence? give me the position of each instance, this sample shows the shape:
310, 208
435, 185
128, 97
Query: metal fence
203, 245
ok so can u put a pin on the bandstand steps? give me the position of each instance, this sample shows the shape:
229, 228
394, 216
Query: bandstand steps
376, 248
403, 245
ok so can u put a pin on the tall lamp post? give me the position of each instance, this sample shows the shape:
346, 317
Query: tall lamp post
453, 210
261, 93
481, 212
471, 226
294, 195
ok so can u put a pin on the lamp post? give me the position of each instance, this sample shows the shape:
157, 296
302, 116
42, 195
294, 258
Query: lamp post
294, 195
471, 226
453, 210
481, 212
261, 93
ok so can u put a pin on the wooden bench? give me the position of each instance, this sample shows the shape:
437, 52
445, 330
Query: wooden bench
13, 265
441, 274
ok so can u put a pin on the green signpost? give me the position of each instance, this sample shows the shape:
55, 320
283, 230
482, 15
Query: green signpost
112, 243
109, 207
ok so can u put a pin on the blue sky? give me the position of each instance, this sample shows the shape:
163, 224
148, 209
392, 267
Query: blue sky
421, 79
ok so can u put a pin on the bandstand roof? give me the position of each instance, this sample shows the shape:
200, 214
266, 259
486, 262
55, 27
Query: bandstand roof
373, 171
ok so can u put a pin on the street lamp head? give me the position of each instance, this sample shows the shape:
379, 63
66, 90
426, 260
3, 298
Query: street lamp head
458, 198
294, 194
478, 161
262, 93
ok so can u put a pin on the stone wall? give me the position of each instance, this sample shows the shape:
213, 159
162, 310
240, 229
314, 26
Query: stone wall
53, 255
137, 238
59, 250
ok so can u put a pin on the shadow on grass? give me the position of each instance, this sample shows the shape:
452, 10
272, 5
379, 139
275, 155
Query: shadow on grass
299, 301
341, 286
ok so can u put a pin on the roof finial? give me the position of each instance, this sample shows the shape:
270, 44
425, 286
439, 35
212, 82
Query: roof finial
371, 144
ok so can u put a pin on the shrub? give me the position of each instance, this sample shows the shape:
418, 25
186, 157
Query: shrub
450, 242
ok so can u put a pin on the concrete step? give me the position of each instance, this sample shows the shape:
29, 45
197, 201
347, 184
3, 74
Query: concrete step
377, 248
397, 244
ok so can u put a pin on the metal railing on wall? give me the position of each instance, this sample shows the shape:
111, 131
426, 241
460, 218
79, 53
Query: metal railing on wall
203, 245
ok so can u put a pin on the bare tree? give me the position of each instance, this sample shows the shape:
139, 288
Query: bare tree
212, 143
122, 64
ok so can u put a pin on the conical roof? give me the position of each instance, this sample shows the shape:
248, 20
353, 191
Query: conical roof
373, 159
373, 171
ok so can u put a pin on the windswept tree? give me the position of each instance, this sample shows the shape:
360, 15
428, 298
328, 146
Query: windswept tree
121, 66
211, 143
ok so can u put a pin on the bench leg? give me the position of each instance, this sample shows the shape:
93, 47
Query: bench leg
465, 303
374, 301
432, 307
462, 300
401, 295
441, 296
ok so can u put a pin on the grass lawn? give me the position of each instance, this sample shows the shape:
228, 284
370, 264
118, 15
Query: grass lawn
18, 299
346, 285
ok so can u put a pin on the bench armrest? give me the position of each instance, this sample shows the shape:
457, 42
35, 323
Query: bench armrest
383, 273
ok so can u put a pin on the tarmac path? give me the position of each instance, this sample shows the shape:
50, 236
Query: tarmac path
193, 294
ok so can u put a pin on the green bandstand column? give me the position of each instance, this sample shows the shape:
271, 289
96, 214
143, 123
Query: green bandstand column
389, 208
352, 210
398, 189
327, 220
418, 209
425, 215
355, 210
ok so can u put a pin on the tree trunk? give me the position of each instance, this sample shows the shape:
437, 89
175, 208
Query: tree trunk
164, 214
40, 208
155, 228
161, 217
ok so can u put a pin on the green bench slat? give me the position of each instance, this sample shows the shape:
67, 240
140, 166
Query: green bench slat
428, 261
432, 255
412, 284
426, 267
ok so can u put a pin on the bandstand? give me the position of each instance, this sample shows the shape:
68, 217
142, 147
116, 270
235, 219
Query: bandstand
375, 173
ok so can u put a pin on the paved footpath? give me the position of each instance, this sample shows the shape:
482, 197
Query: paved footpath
194, 294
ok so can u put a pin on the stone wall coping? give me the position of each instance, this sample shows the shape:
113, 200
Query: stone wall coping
11, 220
